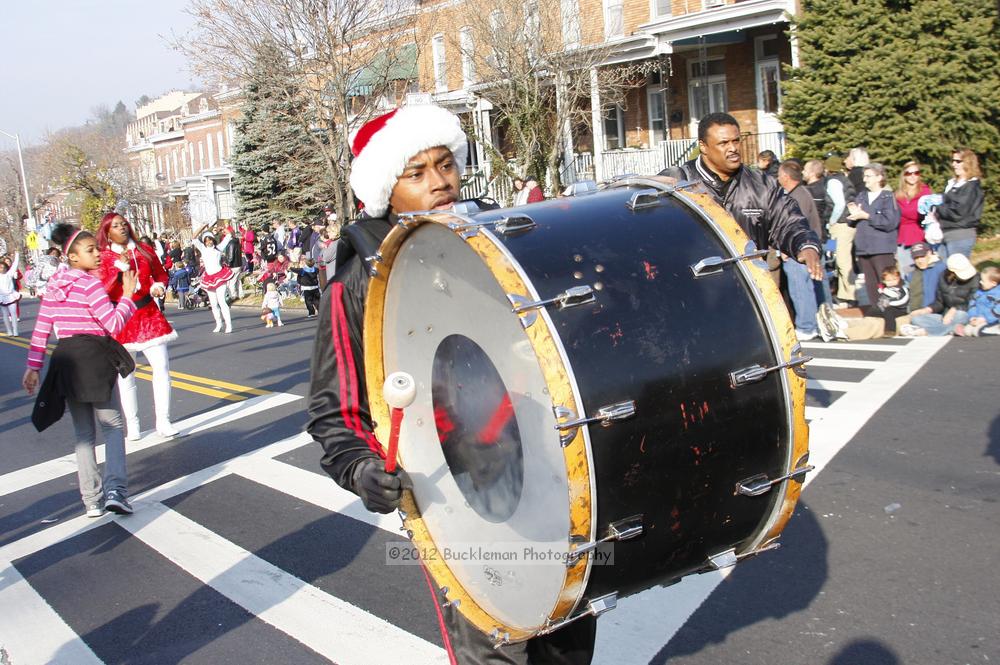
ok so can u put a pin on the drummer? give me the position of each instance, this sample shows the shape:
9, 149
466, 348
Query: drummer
756, 201
407, 160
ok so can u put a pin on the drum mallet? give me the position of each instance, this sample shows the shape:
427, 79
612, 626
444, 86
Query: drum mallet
399, 391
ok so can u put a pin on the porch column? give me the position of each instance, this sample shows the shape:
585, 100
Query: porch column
565, 126
597, 120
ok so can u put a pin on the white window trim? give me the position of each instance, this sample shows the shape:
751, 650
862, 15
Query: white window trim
571, 30
609, 26
651, 90
467, 46
759, 63
440, 62
693, 82
620, 117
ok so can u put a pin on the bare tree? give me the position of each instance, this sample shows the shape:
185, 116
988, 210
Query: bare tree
536, 64
343, 56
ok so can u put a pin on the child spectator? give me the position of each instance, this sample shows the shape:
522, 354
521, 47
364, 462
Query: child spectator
984, 310
308, 277
180, 282
9, 294
893, 297
84, 367
951, 303
271, 307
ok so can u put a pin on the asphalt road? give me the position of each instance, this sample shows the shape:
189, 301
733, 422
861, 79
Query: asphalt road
241, 551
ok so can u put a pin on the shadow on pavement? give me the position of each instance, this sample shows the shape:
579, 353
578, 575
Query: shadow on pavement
865, 652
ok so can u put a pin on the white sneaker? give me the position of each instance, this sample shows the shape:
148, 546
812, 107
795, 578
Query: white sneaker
217, 328
804, 336
132, 431
166, 430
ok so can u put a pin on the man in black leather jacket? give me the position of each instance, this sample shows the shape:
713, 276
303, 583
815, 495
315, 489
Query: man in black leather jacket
407, 162
760, 206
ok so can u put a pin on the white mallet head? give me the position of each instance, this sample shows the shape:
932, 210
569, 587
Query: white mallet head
399, 390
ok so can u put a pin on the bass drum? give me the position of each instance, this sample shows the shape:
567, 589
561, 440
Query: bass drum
609, 397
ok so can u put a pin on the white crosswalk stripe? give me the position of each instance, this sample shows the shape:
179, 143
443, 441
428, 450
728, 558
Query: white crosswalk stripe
343, 632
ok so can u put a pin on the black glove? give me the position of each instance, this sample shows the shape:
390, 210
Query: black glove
379, 491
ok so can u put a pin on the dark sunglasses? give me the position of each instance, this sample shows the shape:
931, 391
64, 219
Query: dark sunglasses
957, 161
911, 172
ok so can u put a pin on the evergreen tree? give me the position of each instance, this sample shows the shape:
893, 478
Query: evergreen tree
277, 173
906, 79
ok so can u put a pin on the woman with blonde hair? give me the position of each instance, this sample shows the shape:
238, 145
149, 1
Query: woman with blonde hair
962, 207
911, 187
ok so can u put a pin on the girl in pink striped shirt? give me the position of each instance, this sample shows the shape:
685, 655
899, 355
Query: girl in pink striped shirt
84, 367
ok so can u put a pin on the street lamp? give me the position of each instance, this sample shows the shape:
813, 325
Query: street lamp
24, 177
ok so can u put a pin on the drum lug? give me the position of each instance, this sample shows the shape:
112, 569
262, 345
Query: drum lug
755, 373
606, 415
761, 484
595, 607
644, 198
372, 262
571, 297
724, 559
712, 265
626, 529
499, 639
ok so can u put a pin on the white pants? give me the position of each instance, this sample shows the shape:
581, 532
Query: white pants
218, 300
159, 360
9, 314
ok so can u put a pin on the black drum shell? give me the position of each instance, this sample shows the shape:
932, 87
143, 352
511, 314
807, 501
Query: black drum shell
668, 340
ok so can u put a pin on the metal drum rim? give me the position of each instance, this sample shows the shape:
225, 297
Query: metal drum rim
563, 391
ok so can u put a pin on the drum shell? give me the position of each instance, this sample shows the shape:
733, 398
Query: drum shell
667, 340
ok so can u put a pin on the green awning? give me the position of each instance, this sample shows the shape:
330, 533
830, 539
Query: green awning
395, 66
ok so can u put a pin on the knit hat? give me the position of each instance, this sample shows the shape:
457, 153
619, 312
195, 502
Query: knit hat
834, 164
383, 146
961, 266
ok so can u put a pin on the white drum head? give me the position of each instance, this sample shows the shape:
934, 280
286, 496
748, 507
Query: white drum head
479, 442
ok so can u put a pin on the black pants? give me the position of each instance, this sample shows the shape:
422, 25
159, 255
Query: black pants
312, 301
872, 267
888, 315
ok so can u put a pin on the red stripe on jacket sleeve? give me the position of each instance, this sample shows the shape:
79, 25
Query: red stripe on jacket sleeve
347, 370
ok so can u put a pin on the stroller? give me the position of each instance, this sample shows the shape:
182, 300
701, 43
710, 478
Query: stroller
196, 297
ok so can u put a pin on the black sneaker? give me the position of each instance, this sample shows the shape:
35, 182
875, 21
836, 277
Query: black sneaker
115, 502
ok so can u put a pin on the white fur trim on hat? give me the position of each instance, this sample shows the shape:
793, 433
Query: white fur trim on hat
411, 129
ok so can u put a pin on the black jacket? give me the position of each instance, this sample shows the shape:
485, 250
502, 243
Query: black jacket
962, 206
339, 416
83, 368
849, 193
758, 203
957, 294
821, 199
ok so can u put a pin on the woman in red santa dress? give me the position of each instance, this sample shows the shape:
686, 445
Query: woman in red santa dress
148, 330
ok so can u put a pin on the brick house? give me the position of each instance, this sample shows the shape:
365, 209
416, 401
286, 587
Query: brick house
703, 56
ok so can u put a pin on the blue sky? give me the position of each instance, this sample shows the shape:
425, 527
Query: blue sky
61, 58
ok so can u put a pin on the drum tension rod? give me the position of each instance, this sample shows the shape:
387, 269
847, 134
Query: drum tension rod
729, 558
595, 607
625, 529
713, 265
505, 226
761, 484
606, 415
755, 373
571, 297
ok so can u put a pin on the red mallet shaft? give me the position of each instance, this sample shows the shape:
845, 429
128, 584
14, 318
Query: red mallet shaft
399, 391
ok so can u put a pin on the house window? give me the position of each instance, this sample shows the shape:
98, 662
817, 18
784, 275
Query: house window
707, 87
662, 8
201, 156
532, 26
708, 4
570, 10
440, 66
468, 65
614, 18
221, 147
766, 51
657, 109
211, 152
614, 128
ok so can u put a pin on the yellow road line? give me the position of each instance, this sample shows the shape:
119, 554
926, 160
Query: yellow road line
209, 387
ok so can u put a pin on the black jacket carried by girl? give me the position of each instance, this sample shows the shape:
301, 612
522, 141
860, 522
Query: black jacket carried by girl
760, 206
83, 368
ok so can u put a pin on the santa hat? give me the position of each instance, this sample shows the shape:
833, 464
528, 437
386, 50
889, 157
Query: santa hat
383, 147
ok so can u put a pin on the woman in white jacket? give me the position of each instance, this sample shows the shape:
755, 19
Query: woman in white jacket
215, 277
